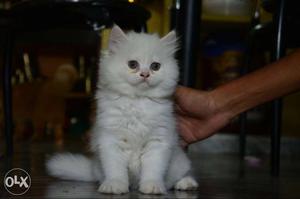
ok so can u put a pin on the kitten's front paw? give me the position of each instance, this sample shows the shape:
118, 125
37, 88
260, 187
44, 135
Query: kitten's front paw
186, 183
114, 187
152, 187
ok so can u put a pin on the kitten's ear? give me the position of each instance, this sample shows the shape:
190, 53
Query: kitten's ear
170, 38
116, 36
171, 41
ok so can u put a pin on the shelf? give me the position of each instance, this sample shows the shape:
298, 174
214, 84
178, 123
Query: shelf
223, 23
226, 19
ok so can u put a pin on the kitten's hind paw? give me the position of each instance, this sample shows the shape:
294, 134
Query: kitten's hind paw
152, 187
186, 183
113, 187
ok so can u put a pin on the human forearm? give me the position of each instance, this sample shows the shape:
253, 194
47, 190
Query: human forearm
201, 114
272, 81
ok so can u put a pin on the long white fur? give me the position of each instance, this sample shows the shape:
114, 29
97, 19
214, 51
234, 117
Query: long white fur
135, 139
73, 167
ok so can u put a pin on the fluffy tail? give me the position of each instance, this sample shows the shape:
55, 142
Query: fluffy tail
73, 167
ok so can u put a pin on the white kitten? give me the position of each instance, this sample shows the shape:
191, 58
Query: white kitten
134, 137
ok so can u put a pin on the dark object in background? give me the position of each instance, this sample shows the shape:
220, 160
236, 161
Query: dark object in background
285, 22
37, 15
223, 59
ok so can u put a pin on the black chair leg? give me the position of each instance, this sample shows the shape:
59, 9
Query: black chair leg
276, 137
245, 70
280, 47
190, 12
7, 93
243, 134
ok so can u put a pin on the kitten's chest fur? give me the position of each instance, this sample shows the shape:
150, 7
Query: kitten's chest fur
136, 115
135, 120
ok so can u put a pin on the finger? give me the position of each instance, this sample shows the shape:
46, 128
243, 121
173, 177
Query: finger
183, 144
179, 110
187, 129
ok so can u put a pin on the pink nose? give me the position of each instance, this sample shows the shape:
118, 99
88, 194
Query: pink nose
145, 74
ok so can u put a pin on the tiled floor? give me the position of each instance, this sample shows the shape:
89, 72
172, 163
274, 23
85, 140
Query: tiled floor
220, 176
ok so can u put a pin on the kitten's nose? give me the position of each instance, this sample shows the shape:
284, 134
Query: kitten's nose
145, 74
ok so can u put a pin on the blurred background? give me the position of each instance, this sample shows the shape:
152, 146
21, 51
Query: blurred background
54, 70
49, 59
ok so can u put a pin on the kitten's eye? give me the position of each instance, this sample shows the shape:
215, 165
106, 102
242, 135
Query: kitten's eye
155, 66
133, 64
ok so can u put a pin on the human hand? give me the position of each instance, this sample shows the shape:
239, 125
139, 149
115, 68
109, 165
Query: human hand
197, 114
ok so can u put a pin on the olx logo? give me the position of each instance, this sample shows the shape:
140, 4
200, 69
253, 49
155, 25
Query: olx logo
17, 181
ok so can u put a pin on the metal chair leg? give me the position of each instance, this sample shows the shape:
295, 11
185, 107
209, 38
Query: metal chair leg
189, 29
244, 70
243, 134
7, 93
276, 137
280, 23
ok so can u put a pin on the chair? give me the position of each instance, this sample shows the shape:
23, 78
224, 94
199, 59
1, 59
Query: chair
285, 22
185, 18
35, 15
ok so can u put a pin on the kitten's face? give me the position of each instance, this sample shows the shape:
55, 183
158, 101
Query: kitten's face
140, 64
142, 74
